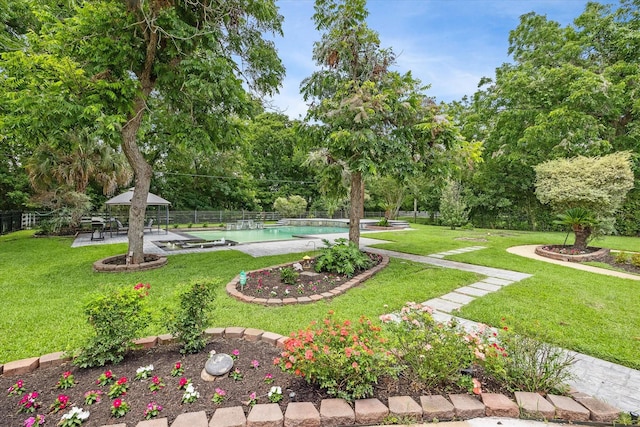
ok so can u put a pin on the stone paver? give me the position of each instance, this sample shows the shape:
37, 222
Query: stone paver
265, 415
436, 407
301, 414
600, 411
336, 412
228, 417
370, 411
496, 281
486, 286
499, 405
476, 292
191, 419
467, 406
457, 298
52, 359
534, 405
405, 408
20, 367
443, 305
568, 409
233, 332
146, 342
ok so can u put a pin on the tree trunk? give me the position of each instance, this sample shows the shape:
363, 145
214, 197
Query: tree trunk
582, 236
142, 173
356, 207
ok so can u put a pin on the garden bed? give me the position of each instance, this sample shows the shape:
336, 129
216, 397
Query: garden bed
266, 286
569, 253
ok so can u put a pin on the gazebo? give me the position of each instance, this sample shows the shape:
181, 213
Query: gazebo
124, 199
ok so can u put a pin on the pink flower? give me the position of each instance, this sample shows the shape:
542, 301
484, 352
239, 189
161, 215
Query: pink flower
117, 403
255, 363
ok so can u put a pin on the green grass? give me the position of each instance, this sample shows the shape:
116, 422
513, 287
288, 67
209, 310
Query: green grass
45, 283
586, 312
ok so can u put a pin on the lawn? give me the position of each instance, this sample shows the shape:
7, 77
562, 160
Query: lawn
586, 312
45, 284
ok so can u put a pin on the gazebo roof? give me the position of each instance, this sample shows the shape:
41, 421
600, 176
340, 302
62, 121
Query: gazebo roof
125, 199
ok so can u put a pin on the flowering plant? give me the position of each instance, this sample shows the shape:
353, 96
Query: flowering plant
275, 394
236, 374
66, 380
253, 399
343, 358
38, 420
218, 395
235, 354
74, 417
92, 396
119, 388
183, 383
105, 378
62, 401
255, 364
144, 372
153, 410
119, 408
190, 394
156, 384
143, 289
177, 370
268, 379
28, 402
17, 389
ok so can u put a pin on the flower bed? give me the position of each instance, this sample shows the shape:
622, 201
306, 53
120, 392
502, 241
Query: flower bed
265, 286
568, 253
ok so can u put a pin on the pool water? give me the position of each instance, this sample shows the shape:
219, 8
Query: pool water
265, 234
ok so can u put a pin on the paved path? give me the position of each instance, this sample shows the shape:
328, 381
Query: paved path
615, 384
612, 383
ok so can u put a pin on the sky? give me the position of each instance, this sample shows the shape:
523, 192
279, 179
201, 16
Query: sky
447, 44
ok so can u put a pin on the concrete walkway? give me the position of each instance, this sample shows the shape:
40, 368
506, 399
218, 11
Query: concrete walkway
614, 384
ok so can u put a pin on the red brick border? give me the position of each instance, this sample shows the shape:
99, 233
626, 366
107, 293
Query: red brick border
232, 288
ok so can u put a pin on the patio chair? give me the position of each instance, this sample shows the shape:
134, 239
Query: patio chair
120, 227
149, 225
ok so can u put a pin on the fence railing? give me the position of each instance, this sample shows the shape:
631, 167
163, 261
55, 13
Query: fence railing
10, 221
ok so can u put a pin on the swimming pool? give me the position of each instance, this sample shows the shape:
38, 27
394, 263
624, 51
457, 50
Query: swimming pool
265, 234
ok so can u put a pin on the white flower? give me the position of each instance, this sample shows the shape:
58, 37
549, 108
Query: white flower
76, 413
275, 390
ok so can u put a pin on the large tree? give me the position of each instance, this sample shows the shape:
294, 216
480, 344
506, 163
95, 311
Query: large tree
370, 120
191, 56
569, 91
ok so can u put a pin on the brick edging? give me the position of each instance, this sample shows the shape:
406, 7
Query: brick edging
232, 287
332, 412
593, 256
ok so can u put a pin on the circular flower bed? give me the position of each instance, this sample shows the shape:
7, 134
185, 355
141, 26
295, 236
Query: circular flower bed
298, 282
569, 253
119, 263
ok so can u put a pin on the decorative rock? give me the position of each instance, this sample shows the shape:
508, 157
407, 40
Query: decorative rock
336, 412
218, 364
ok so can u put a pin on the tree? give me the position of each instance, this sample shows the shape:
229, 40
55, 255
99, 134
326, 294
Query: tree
570, 91
370, 120
137, 55
453, 209
586, 191
292, 206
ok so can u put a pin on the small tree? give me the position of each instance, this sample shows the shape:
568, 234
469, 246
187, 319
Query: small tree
453, 209
188, 322
293, 206
596, 185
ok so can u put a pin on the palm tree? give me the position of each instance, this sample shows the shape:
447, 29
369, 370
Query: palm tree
581, 222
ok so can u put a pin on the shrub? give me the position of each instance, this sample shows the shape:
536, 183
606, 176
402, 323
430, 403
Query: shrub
621, 257
288, 276
635, 260
294, 206
343, 257
187, 324
343, 358
116, 317
430, 354
526, 364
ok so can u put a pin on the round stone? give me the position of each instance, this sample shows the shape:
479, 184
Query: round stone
218, 364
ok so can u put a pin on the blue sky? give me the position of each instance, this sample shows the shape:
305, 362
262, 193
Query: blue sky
448, 44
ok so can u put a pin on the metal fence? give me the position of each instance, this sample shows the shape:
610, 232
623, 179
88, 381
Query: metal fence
10, 221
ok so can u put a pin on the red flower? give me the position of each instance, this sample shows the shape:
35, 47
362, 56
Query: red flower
122, 381
117, 403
